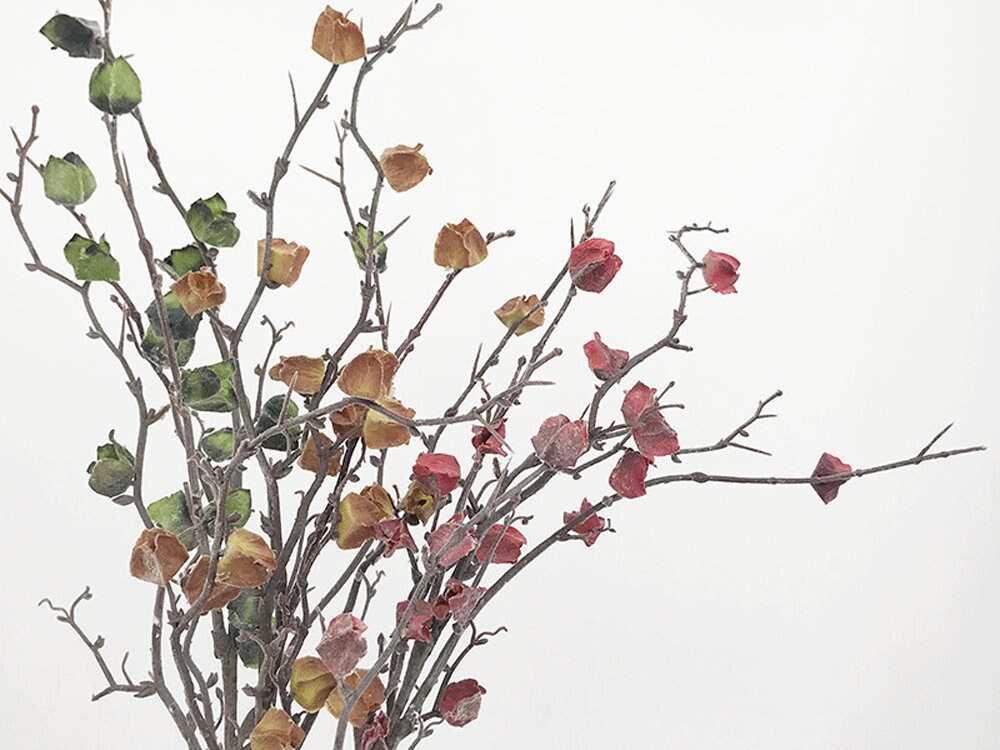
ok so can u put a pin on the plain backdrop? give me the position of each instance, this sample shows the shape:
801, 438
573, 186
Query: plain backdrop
851, 147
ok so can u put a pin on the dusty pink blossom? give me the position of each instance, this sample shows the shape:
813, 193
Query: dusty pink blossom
394, 534
602, 359
638, 402
628, 478
508, 548
590, 528
829, 464
560, 442
458, 548
438, 472
485, 441
719, 271
457, 600
376, 731
461, 701
593, 263
653, 436
342, 645
418, 627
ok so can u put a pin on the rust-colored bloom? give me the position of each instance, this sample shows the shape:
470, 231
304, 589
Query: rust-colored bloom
303, 374
157, 556
247, 562
560, 442
369, 701
369, 375
827, 465
459, 245
310, 458
337, 39
593, 263
276, 731
194, 584
419, 501
720, 272
404, 166
198, 291
382, 431
343, 645
347, 419
360, 513
461, 701
287, 259
516, 308
311, 683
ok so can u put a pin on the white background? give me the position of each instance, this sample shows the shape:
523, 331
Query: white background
852, 149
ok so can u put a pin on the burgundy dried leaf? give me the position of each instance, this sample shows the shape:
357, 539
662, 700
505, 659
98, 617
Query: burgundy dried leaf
829, 464
458, 548
720, 272
602, 359
484, 441
461, 701
394, 534
376, 731
638, 401
508, 549
438, 472
590, 528
342, 645
593, 264
418, 627
560, 442
654, 437
628, 478
457, 600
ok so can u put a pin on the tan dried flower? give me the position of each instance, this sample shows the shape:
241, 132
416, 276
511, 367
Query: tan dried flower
198, 291
310, 459
276, 731
337, 39
247, 562
404, 166
382, 431
516, 308
287, 259
194, 584
369, 701
303, 374
459, 245
157, 556
359, 514
369, 375
311, 683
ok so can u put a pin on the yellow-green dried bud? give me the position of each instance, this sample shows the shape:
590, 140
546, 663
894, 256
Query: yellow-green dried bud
68, 181
114, 87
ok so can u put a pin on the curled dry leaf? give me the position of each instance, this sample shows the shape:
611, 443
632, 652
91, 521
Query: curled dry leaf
404, 166
369, 701
303, 374
287, 259
276, 731
517, 308
459, 245
247, 562
194, 584
157, 556
337, 39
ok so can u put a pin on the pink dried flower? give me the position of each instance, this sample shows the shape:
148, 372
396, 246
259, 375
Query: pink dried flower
458, 548
438, 472
418, 627
628, 478
829, 464
508, 548
485, 441
461, 701
394, 534
590, 528
457, 600
602, 359
719, 271
560, 442
342, 645
593, 263
653, 436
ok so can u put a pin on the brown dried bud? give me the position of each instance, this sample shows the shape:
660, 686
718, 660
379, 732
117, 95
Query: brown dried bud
368, 375
310, 458
276, 731
198, 291
347, 419
516, 308
459, 246
359, 514
404, 167
369, 701
418, 502
337, 39
381, 431
303, 374
194, 584
287, 259
247, 562
157, 556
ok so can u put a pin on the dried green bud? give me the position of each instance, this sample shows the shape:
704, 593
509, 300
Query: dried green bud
218, 445
182, 326
244, 617
91, 260
155, 348
184, 259
210, 223
77, 36
68, 181
114, 87
269, 415
113, 471
361, 232
209, 388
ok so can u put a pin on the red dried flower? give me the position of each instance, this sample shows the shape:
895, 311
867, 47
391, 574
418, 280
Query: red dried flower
342, 645
508, 548
719, 271
560, 442
628, 478
418, 627
393, 533
602, 359
441, 537
653, 436
829, 464
590, 528
593, 263
485, 441
438, 472
457, 600
461, 701
376, 731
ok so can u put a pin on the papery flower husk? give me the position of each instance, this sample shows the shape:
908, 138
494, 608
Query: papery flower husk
508, 549
628, 478
590, 528
404, 166
369, 375
157, 556
311, 683
305, 372
348, 419
451, 541
381, 431
194, 584
829, 464
287, 259
369, 701
459, 246
461, 701
276, 731
198, 291
560, 442
360, 513
720, 272
516, 308
438, 472
310, 458
593, 264
337, 39
418, 502
343, 644
418, 627
247, 562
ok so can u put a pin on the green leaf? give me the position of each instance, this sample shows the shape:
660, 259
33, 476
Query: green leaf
113, 471
210, 223
381, 262
238, 503
184, 259
91, 260
218, 445
283, 441
244, 616
182, 326
209, 388
114, 87
68, 181
155, 348
171, 512
77, 36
